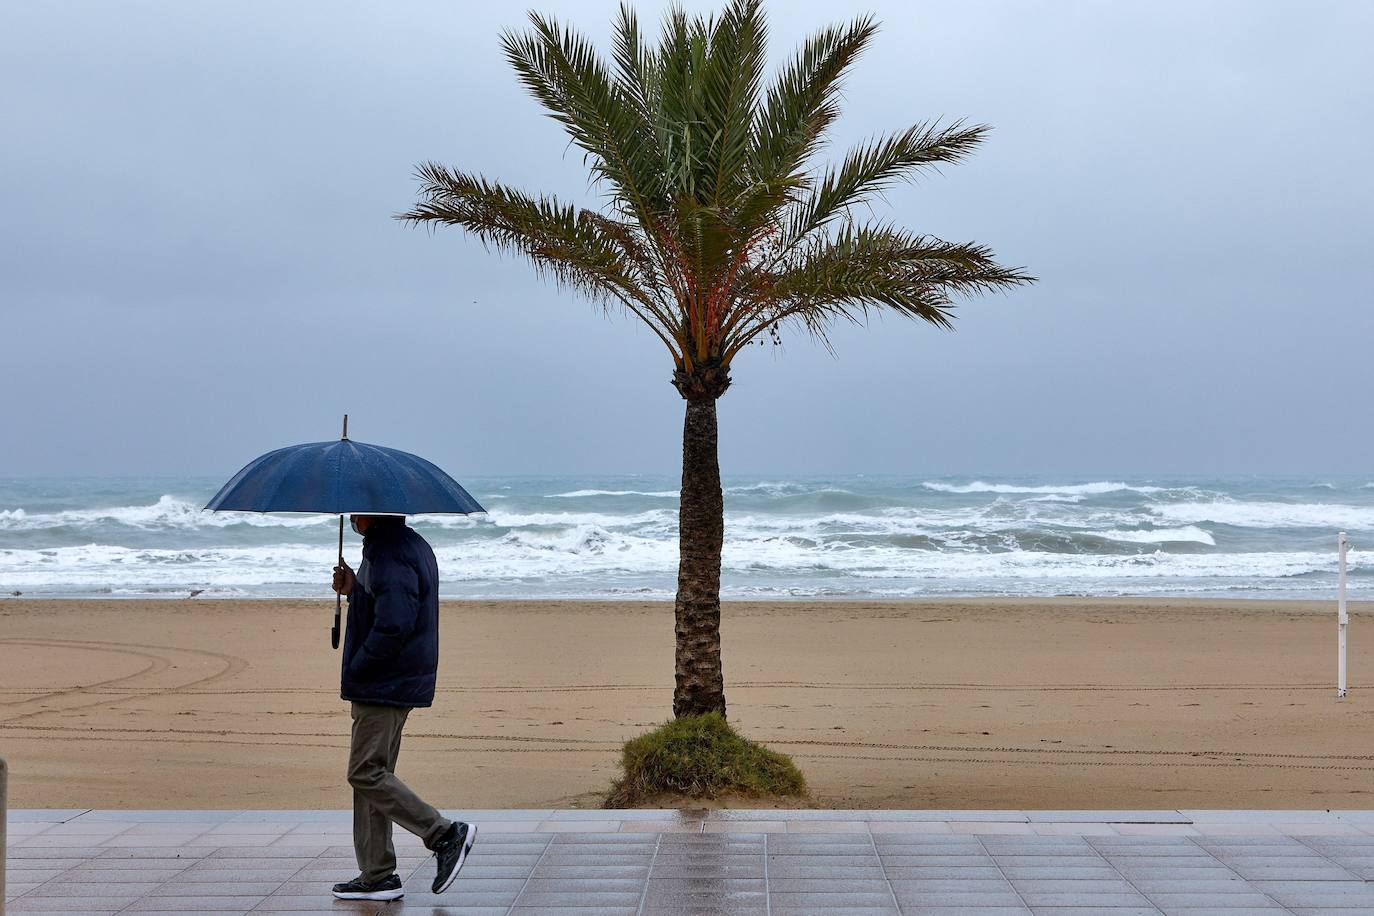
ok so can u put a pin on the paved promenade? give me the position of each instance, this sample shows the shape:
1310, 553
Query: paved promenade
772, 863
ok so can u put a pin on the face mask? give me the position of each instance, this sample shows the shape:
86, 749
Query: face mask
354, 523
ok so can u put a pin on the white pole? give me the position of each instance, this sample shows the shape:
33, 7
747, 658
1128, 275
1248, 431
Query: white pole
1342, 617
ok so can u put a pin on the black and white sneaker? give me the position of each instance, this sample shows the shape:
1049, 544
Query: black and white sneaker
358, 889
450, 852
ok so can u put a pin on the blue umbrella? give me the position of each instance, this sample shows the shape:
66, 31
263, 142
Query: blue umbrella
343, 477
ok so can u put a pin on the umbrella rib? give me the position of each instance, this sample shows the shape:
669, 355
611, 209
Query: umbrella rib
386, 466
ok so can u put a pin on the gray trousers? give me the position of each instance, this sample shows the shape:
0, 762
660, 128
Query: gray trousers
379, 798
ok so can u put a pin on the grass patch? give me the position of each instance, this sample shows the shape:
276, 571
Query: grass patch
701, 757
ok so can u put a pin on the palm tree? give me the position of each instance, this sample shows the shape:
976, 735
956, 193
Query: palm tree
717, 231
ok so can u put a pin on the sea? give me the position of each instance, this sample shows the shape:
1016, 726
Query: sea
844, 537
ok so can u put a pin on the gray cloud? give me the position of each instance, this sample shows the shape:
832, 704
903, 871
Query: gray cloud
198, 260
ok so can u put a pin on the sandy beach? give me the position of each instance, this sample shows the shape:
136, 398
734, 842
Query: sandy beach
1036, 703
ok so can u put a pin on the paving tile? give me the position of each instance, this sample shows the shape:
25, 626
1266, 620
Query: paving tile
325, 904
47, 840
639, 872
1242, 829
990, 827
579, 826
825, 826
1318, 893
1109, 817
1080, 899
908, 899
909, 828
1327, 872
83, 905
448, 909
1156, 830
920, 839
115, 876
816, 845
1155, 852
1320, 830
1029, 886
1094, 911
1140, 870
60, 888
228, 888
714, 841
904, 887
490, 829
836, 860
825, 871
687, 870
689, 827
32, 875
827, 886
224, 904
601, 839
1214, 902
155, 852
1100, 872
596, 888
913, 910
1074, 829
1048, 846
928, 872
745, 827
207, 817
1259, 815
833, 910
43, 815
222, 860
1232, 885
824, 901
955, 860
1084, 861
231, 875
564, 899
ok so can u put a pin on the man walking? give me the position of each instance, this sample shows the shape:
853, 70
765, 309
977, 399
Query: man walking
390, 657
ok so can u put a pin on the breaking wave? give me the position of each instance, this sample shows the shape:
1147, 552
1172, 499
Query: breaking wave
617, 537
1080, 489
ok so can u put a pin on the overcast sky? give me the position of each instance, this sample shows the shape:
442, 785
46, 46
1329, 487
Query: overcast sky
198, 260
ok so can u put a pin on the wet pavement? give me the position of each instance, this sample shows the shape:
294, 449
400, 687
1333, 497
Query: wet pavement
766, 862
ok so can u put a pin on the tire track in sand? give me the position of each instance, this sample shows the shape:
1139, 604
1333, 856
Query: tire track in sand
111, 691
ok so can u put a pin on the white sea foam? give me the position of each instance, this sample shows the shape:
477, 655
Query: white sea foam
824, 537
1189, 534
1245, 514
1080, 489
167, 512
593, 560
577, 494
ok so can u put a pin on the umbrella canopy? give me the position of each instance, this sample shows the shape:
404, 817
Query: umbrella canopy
341, 477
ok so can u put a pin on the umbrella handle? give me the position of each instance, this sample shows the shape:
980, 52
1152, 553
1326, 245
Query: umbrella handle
338, 597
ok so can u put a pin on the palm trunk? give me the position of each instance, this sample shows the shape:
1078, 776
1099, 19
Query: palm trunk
700, 682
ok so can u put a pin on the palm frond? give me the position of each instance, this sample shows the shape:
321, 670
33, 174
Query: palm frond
861, 269
872, 168
717, 227
564, 72
804, 98
579, 249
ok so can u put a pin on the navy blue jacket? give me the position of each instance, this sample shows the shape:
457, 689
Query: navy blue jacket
391, 650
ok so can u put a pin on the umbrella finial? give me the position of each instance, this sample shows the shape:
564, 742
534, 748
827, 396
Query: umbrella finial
345, 432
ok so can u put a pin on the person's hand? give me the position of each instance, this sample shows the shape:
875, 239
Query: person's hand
344, 580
